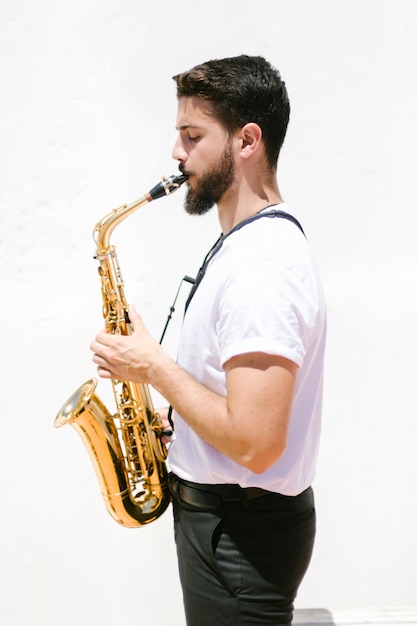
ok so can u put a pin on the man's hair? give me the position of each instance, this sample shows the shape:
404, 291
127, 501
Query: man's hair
242, 89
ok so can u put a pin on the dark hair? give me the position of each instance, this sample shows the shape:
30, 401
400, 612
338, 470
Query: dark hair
242, 89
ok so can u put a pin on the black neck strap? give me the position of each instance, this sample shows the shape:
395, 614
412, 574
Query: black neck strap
216, 247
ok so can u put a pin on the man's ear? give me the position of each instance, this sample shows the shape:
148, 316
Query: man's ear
250, 136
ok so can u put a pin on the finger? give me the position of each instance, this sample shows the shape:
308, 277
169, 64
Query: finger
103, 340
97, 359
135, 318
103, 372
96, 348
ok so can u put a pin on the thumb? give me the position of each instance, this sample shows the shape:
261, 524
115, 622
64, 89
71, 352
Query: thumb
134, 317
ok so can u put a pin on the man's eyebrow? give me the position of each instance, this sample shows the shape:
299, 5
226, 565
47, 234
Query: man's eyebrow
186, 126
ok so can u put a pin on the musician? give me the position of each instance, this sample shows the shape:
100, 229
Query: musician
246, 390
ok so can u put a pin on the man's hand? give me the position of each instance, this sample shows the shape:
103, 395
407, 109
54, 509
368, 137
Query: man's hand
127, 357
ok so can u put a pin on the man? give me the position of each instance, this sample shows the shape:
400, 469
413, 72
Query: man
246, 390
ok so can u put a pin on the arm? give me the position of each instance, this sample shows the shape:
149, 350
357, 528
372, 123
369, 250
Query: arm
249, 425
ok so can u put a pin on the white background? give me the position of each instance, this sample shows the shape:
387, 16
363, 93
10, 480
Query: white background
87, 123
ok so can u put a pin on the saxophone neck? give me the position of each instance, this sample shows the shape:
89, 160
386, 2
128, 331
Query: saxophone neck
104, 228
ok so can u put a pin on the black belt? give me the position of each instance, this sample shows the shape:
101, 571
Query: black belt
212, 497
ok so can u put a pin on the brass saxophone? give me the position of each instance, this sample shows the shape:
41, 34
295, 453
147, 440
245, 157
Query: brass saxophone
125, 448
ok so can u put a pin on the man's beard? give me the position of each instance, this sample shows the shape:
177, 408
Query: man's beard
212, 186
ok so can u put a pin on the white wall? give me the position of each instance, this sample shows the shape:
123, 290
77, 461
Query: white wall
87, 123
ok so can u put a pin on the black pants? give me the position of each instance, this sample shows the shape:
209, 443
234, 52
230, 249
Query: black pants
242, 553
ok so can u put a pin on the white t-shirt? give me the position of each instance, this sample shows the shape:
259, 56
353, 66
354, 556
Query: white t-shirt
261, 293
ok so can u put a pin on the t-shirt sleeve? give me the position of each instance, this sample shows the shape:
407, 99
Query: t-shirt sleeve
265, 307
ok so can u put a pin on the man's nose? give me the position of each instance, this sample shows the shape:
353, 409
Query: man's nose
178, 152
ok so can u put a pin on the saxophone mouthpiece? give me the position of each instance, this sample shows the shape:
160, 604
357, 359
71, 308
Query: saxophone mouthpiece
167, 186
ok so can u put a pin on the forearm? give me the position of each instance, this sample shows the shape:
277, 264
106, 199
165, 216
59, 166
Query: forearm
236, 425
204, 411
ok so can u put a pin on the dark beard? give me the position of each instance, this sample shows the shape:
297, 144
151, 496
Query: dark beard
212, 186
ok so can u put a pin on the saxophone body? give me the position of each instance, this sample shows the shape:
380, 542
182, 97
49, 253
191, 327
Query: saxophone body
125, 447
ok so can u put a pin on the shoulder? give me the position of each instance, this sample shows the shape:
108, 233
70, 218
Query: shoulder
267, 239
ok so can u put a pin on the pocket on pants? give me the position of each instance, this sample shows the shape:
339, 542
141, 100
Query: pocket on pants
227, 561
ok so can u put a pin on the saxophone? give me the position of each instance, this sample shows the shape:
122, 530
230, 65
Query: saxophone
125, 448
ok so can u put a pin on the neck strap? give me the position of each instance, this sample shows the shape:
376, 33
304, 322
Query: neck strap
216, 247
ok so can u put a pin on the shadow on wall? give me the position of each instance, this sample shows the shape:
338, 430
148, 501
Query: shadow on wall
313, 617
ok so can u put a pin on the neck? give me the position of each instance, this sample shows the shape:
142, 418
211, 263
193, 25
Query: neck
244, 200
